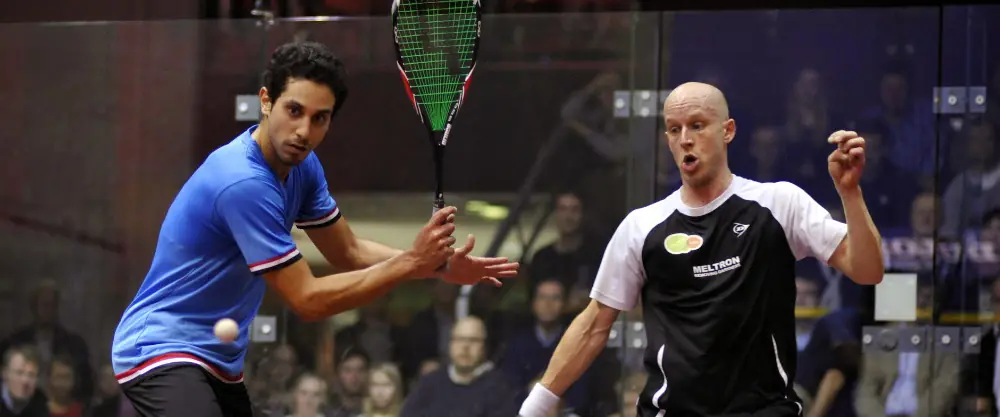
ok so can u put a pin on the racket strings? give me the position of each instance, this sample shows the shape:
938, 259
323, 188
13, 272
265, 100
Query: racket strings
436, 41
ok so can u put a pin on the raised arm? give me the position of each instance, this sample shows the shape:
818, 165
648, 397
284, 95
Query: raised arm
619, 281
859, 256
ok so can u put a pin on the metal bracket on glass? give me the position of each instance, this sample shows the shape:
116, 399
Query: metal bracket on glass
977, 99
265, 17
948, 339
638, 103
896, 339
631, 335
959, 100
971, 339
247, 108
264, 329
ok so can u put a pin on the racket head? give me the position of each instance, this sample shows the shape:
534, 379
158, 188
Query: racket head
437, 44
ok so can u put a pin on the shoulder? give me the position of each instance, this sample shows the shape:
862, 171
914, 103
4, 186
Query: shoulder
232, 171
641, 221
312, 166
767, 192
782, 198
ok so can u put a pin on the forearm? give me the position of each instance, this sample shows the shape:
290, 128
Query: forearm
829, 387
864, 244
580, 345
337, 293
370, 253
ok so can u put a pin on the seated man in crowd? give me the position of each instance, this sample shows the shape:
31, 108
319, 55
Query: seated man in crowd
469, 386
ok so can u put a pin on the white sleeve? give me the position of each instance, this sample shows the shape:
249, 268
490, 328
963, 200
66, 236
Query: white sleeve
810, 230
620, 277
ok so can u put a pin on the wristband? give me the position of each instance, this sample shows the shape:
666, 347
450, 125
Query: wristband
539, 402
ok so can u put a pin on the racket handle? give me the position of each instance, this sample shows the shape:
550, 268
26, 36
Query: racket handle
438, 204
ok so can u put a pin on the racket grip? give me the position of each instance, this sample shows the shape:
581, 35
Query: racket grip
438, 204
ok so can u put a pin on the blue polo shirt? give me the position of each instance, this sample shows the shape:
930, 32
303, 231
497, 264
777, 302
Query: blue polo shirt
228, 224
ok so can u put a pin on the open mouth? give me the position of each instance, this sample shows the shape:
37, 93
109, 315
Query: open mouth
299, 148
689, 162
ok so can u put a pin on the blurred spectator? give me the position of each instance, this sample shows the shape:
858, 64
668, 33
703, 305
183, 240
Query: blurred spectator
888, 191
62, 379
919, 384
808, 122
806, 297
769, 161
593, 157
308, 396
990, 235
530, 349
630, 387
385, 391
914, 252
21, 395
911, 140
469, 386
983, 369
426, 337
352, 383
109, 400
974, 191
573, 258
588, 114
373, 332
828, 367
992, 100
51, 339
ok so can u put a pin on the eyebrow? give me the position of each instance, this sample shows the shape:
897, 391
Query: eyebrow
321, 111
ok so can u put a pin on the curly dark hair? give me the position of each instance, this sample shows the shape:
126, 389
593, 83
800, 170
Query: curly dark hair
308, 61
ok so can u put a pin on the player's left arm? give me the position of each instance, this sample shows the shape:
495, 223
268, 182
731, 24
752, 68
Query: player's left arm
321, 219
859, 254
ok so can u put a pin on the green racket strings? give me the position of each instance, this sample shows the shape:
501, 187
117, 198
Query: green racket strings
436, 39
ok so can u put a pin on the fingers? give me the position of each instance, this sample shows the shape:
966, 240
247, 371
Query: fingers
443, 216
504, 273
470, 243
495, 282
841, 136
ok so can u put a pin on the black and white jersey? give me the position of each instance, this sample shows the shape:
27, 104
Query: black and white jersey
718, 291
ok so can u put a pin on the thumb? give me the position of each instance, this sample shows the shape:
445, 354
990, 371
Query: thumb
469, 244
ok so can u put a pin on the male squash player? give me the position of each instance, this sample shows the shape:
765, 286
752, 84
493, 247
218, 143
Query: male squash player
226, 237
714, 265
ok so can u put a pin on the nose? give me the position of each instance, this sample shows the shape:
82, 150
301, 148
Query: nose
302, 130
686, 139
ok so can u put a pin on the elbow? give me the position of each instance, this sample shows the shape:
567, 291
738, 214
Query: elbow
308, 307
869, 278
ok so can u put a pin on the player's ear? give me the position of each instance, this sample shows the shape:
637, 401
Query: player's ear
729, 131
265, 101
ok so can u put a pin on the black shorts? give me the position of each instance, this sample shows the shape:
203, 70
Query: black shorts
187, 391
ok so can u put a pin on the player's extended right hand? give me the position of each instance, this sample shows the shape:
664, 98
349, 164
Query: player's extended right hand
432, 247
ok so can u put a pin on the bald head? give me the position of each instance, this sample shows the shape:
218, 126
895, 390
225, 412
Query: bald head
699, 131
694, 95
470, 326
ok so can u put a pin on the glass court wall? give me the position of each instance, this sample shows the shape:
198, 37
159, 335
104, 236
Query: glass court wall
559, 138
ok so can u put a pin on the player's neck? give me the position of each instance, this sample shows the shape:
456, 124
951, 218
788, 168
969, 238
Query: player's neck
706, 193
259, 135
